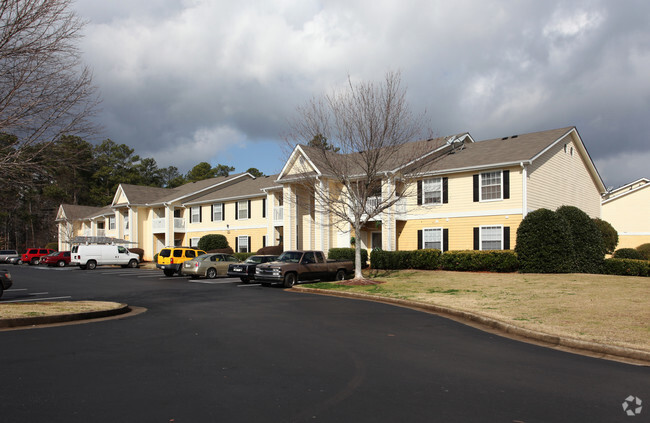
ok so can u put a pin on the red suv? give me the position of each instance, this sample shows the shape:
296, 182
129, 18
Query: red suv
33, 255
57, 258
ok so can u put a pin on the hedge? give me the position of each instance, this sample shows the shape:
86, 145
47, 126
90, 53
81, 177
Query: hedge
626, 267
242, 256
644, 249
429, 259
480, 261
588, 246
628, 253
544, 243
347, 254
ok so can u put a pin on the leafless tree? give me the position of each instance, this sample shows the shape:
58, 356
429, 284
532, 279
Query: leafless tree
45, 90
369, 124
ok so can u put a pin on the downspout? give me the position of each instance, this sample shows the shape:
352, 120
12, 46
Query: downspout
524, 189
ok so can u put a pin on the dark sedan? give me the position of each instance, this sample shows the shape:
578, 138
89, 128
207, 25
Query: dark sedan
246, 270
5, 280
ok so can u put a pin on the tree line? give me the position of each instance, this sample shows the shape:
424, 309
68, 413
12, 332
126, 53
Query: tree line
74, 171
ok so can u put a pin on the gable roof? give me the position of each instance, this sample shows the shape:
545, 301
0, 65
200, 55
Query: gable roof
244, 189
74, 212
626, 189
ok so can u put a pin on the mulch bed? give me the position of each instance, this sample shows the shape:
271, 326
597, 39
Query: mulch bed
358, 282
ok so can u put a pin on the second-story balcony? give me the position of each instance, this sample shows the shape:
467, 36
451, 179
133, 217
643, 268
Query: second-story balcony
158, 225
278, 216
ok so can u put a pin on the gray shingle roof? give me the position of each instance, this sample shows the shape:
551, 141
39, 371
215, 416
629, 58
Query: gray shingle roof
243, 188
75, 212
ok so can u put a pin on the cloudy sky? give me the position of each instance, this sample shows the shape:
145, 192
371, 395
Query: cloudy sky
185, 81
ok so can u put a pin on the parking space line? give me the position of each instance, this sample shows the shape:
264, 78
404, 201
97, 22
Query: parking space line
249, 284
209, 282
17, 289
34, 299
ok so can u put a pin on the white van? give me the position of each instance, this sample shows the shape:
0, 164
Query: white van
91, 256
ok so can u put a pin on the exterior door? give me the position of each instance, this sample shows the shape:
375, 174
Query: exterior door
375, 241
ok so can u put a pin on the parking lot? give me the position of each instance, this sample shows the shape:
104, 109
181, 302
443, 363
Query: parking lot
221, 350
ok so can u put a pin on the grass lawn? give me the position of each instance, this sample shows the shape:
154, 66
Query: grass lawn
20, 310
613, 310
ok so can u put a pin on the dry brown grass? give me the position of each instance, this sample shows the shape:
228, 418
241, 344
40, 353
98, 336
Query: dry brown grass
614, 310
20, 310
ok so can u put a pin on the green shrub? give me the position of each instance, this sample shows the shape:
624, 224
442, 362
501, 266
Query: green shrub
213, 242
428, 259
271, 250
609, 234
588, 246
242, 256
628, 253
393, 260
644, 249
476, 261
347, 254
155, 258
626, 267
544, 243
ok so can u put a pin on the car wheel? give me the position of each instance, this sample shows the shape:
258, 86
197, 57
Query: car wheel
34, 262
289, 280
340, 275
91, 265
20, 261
245, 280
211, 273
61, 263
1, 290
168, 272
133, 263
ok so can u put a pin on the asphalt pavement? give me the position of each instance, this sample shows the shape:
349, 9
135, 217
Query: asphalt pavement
220, 350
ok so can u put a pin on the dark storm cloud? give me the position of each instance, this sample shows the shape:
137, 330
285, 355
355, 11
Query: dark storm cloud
194, 79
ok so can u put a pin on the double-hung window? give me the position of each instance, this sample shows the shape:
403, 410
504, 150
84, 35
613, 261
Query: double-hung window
111, 223
195, 214
217, 212
432, 238
242, 209
194, 242
491, 237
491, 188
242, 244
432, 191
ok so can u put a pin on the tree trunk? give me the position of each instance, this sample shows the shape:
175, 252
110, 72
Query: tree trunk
357, 253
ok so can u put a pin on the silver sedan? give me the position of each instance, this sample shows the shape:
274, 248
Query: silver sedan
208, 265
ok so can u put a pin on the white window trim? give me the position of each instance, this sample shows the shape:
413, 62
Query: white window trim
480, 236
424, 203
215, 207
480, 187
111, 223
194, 242
198, 214
239, 244
239, 209
442, 237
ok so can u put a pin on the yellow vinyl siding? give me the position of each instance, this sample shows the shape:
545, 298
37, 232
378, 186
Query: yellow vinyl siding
559, 178
628, 214
461, 230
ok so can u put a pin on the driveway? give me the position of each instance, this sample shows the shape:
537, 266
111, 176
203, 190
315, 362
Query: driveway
225, 351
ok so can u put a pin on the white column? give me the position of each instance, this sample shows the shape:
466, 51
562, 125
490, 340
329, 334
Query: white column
289, 208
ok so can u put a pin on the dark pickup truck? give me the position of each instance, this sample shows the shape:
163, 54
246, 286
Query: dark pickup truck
293, 266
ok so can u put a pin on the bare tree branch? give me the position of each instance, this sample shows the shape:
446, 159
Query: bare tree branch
45, 91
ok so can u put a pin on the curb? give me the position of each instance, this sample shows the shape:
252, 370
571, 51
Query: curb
627, 355
62, 318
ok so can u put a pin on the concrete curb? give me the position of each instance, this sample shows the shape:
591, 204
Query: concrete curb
62, 318
627, 355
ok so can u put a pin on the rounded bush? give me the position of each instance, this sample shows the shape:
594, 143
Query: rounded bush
628, 253
544, 243
588, 246
271, 250
644, 249
609, 234
213, 242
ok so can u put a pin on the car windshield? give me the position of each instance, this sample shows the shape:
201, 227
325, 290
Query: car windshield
254, 260
290, 256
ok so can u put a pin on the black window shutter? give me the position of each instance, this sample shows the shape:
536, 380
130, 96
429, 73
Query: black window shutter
223, 211
445, 240
263, 241
212, 213
249, 249
200, 214
506, 237
445, 190
420, 239
236, 244
475, 188
236, 210
477, 235
263, 207
191, 221
249, 209
419, 193
506, 184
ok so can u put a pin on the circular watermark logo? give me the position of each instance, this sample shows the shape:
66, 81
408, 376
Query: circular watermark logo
632, 405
